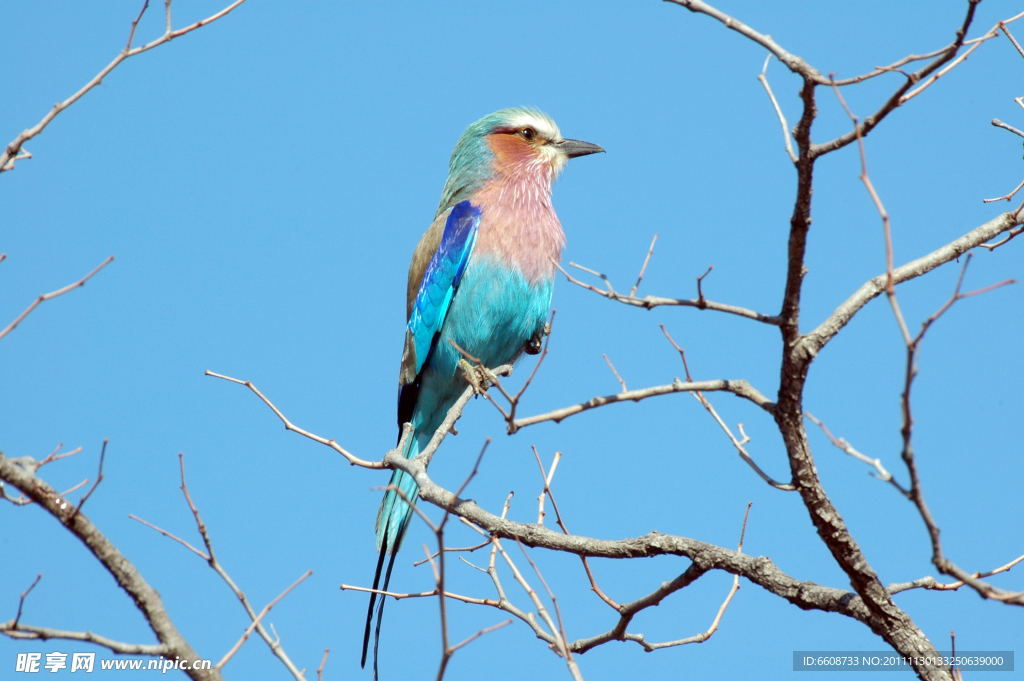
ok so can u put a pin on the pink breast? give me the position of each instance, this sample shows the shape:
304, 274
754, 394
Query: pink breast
518, 223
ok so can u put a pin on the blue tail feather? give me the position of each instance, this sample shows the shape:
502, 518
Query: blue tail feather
395, 514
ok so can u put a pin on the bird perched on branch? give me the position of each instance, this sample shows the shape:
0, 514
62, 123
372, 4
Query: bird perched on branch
481, 278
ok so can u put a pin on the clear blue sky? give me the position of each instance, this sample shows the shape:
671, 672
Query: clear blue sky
262, 183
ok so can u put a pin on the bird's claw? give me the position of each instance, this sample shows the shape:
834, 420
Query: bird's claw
534, 345
481, 378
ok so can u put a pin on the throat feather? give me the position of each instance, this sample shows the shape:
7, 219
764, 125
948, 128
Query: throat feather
518, 224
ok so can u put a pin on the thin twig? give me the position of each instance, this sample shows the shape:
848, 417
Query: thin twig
778, 111
650, 251
1008, 196
255, 622
99, 479
890, 286
481, 633
54, 456
170, 536
1002, 27
738, 444
424, 594
1005, 126
465, 483
740, 388
709, 632
12, 150
323, 662
53, 294
352, 459
963, 57
916, 494
701, 300
467, 549
650, 302
842, 444
439, 571
21, 601
629, 610
68, 491
561, 635
547, 478
211, 558
135, 24
1012, 233
612, 367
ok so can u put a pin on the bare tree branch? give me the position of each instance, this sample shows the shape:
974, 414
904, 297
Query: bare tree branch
211, 558
21, 601
33, 466
640, 277
547, 478
900, 95
778, 110
124, 573
480, 633
792, 62
53, 294
258, 618
99, 479
12, 151
27, 632
916, 495
931, 584
630, 610
999, 124
739, 388
1005, 197
650, 302
842, 444
738, 444
817, 339
323, 663
288, 425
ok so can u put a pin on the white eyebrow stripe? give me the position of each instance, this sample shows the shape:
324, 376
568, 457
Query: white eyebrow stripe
545, 127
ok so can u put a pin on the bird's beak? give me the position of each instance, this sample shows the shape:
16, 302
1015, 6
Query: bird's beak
574, 148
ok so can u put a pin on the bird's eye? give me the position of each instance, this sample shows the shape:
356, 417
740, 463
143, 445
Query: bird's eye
527, 133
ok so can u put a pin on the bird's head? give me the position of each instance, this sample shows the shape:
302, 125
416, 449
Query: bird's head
511, 143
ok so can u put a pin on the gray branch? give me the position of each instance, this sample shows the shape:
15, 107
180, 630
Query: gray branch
793, 62
999, 124
29, 632
13, 150
740, 388
818, 338
651, 302
759, 570
147, 600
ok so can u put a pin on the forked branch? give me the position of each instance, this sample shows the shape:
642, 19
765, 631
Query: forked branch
13, 151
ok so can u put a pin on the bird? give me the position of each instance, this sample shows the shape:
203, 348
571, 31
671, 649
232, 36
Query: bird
481, 278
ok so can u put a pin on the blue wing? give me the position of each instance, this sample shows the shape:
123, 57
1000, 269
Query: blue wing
442, 277
440, 282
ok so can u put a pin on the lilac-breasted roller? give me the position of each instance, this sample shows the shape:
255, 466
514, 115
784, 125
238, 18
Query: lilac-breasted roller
481, 277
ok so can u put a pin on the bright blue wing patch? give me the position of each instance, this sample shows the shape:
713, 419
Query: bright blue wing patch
442, 277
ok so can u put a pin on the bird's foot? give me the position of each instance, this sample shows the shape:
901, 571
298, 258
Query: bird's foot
534, 345
481, 378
